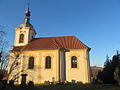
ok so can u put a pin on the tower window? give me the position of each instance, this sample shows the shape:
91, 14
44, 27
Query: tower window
74, 62
31, 63
21, 38
48, 62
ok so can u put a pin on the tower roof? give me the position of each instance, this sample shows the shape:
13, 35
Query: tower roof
26, 22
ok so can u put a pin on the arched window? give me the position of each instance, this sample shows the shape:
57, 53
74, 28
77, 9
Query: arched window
21, 38
31, 63
74, 62
48, 62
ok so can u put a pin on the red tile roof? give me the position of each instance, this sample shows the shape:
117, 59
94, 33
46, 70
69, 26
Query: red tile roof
67, 42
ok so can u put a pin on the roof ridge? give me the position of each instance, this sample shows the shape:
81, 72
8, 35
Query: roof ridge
54, 37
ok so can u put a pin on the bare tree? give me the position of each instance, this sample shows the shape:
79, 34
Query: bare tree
15, 65
14, 57
3, 41
4, 55
4, 61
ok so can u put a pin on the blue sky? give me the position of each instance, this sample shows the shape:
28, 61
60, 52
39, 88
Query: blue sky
95, 22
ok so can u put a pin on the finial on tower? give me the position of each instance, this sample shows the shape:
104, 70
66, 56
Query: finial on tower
28, 5
117, 52
27, 12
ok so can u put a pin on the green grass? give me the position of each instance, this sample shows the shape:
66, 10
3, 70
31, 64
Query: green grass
72, 87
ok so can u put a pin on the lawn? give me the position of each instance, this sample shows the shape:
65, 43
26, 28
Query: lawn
71, 87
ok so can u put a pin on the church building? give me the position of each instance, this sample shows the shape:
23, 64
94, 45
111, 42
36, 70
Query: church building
47, 59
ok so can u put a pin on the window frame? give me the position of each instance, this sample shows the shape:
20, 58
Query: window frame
74, 62
48, 62
31, 63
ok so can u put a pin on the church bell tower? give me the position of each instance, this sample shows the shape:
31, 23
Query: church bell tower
25, 33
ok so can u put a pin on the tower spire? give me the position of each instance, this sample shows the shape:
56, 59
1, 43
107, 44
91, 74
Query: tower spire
26, 22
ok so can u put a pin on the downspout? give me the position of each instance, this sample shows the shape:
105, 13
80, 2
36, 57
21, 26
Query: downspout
62, 67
